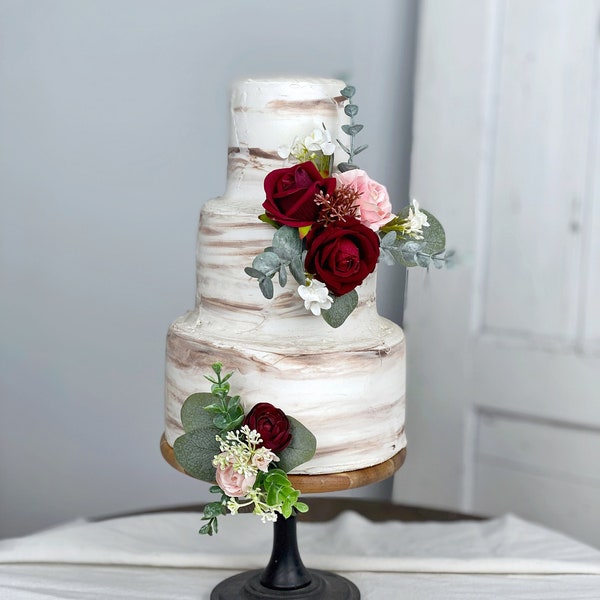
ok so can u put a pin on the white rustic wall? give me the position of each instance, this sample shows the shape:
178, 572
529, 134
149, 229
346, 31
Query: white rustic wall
113, 121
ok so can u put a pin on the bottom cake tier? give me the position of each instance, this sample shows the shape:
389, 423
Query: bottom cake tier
349, 394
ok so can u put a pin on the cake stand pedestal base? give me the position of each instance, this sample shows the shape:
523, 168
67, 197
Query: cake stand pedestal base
285, 576
324, 586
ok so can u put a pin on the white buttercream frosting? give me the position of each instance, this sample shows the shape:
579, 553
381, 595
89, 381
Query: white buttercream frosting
347, 384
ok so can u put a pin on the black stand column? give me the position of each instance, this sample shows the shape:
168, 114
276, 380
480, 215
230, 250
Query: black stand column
285, 576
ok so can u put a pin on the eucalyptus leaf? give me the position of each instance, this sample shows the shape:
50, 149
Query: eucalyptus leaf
266, 287
253, 272
195, 452
386, 256
434, 237
340, 309
297, 269
346, 166
360, 149
300, 450
352, 129
282, 276
344, 148
287, 243
408, 253
423, 260
194, 414
388, 239
348, 91
267, 263
438, 261
351, 110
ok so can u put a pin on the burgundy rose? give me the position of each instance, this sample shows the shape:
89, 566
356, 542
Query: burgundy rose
291, 192
342, 254
272, 425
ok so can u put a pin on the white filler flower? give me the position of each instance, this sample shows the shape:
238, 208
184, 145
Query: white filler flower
316, 297
416, 221
319, 139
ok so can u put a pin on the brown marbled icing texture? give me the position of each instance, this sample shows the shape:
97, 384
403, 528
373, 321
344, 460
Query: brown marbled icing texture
347, 384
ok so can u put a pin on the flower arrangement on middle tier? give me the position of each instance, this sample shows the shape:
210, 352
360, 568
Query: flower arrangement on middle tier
333, 228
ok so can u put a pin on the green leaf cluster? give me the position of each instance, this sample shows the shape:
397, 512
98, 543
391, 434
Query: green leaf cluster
351, 130
405, 250
280, 492
204, 416
284, 254
212, 511
227, 410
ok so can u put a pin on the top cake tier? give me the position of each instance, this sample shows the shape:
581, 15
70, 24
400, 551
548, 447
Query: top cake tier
268, 114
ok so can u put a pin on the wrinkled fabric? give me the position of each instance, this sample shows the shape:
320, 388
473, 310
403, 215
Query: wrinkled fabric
162, 556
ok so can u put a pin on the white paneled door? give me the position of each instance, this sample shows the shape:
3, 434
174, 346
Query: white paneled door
504, 350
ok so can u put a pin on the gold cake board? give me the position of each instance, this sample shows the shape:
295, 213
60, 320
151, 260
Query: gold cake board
314, 484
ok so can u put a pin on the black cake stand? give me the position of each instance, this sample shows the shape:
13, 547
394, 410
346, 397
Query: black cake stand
285, 576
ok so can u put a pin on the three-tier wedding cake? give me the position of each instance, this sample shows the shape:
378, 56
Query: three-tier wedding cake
345, 384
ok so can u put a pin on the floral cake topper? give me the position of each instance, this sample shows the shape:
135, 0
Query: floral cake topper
332, 229
248, 455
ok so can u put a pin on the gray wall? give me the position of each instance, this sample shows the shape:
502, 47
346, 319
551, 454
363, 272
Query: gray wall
113, 120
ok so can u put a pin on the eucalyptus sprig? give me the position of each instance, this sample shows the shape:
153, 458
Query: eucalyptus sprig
412, 253
227, 411
352, 129
285, 253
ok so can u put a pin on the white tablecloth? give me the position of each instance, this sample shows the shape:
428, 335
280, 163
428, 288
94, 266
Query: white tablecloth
161, 556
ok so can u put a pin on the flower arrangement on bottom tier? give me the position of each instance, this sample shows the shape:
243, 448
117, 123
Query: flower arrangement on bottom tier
247, 455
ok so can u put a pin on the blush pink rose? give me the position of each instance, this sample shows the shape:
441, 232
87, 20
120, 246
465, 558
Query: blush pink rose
234, 484
374, 204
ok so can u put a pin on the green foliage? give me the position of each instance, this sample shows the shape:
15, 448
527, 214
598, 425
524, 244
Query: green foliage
300, 450
351, 130
212, 511
400, 248
193, 413
285, 253
206, 417
340, 309
280, 491
195, 451
227, 410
